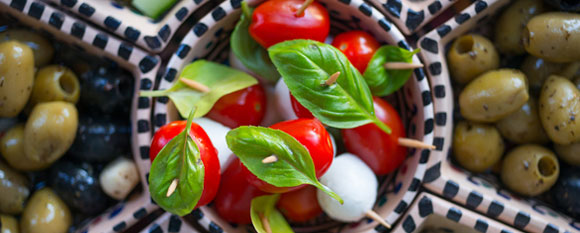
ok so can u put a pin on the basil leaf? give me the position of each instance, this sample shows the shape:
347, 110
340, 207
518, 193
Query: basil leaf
305, 65
248, 51
262, 207
178, 160
220, 79
381, 81
294, 166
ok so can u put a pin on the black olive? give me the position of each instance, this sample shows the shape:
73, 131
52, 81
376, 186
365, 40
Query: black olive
106, 90
567, 190
100, 139
78, 185
565, 5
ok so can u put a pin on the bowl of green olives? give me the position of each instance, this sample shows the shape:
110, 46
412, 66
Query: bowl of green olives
148, 24
72, 131
505, 81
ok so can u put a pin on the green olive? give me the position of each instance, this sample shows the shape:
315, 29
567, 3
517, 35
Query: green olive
569, 153
511, 23
42, 48
13, 190
470, 56
477, 147
54, 83
524, 125
537, 71
494, 95
560, 110
530, 169
45, 212
12, 149
8, 224
554, 36
50, 131
17, 77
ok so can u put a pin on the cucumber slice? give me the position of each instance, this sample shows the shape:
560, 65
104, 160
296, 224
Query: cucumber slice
153, 8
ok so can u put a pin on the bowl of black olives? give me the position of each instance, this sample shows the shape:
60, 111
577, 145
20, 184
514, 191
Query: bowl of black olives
71, 125
505, 78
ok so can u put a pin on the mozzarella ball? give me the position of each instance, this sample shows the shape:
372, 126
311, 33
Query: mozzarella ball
354, 182
272, 115
119, 177
237, 64
217, 134
283, 103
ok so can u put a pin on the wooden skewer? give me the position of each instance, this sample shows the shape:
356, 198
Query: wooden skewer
407, 142
195, 85
265, 223
332, 79
302, 8
172, 187
402, 65
374, 216
270, 159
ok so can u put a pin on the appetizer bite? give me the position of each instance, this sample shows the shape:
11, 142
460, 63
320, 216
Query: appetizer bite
274, 170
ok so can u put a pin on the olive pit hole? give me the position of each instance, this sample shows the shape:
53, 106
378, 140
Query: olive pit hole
547, 166
67, 83
465, 45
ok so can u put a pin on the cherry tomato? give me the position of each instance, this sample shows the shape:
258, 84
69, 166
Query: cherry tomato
300, 205
358, 46
380, 151
235, 195
206, 149
243, 107
310, 133
300, 110
275, 21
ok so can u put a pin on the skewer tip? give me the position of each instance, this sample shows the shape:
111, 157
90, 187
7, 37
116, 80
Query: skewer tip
413, 143
374, 216
332, 79
270, 159
172, 187
402, 65
195, 85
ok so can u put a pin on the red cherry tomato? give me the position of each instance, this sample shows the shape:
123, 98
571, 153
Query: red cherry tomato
310, 133
358, 46
300, 205
300, 110
235, 195
243, 107
275, 21
207, 151
380, 151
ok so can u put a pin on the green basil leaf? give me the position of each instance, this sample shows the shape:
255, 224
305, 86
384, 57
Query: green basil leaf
294, 166
248, 51
381, 81
220, 79
264, 207
178, 160
305, 65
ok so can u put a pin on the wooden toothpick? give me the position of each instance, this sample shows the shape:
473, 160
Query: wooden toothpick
172, 187
195, 85
270, 159
332, 79
374, 216
265, 223
401, 65
408, 142
302, 8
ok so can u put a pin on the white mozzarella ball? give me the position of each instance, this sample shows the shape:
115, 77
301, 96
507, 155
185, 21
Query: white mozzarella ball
354, 182
333, 145
272, 114
217, 134
119, 177
283, 103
